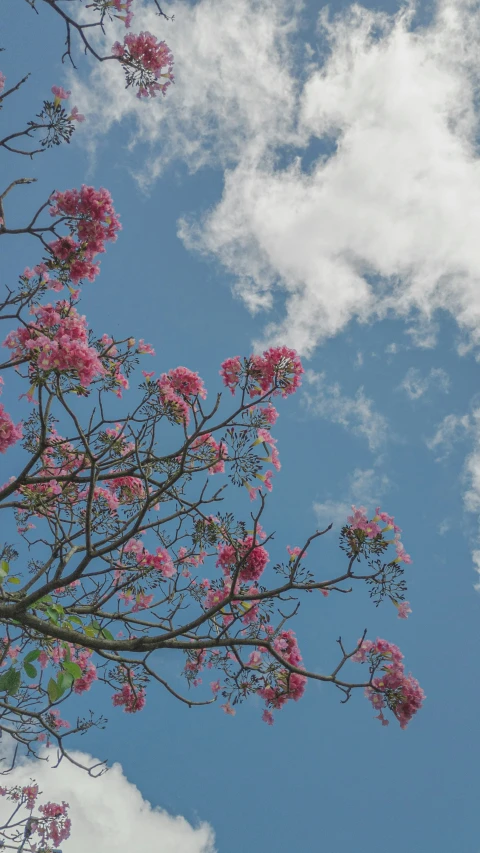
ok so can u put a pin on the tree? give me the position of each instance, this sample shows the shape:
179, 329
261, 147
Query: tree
118, 518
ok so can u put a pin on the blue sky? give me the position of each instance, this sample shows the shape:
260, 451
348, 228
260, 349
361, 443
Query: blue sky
320, 186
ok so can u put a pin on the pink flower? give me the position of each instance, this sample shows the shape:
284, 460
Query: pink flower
9, 432
145, 349
230, 372
131, 700
402, 693
178, 390
215, 687
403, 609
254, 562
227, 708
60, 94
91, 216
143, 59
75, 115
267, 717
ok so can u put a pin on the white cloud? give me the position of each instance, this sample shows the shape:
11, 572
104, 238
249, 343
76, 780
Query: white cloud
109, 814
416, 386
233, 86
386, 225
453, 428
365, 487
354, 413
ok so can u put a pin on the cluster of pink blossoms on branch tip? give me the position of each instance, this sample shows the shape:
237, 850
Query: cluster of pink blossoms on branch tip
178, 390
399, 692
289, 685
278, 366
9, 432
143, 59
359, 521
131, 699
57, 340
51, 826
93, 222
252, 556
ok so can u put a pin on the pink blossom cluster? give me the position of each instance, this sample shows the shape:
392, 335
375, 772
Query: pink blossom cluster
146, 57
9, 432
91, 215
402, 693
16, 793
56, 826
31, 794
58, 340
279, 368
131, 699
126, 489
161, 560
254, 557
289, 685
359, 521
178, 390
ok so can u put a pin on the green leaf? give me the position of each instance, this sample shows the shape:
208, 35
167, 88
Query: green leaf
10, 681
64, 681
52, 690
72, 668
107, 634
14, 580
75, 619
4, 568
52, 615
33, 655
29, 669
91, 632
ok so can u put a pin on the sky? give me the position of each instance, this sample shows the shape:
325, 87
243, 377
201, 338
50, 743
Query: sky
312, 178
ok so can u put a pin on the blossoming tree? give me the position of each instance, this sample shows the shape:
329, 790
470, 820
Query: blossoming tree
123, 542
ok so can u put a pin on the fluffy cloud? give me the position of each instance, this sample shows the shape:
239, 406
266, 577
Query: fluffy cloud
354, 413
416, 386
387, 224
385, 221
109, 814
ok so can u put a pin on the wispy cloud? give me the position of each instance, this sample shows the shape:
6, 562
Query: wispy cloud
234, 85
415, 385
365, 486
452, 429
356, 414
109, 814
